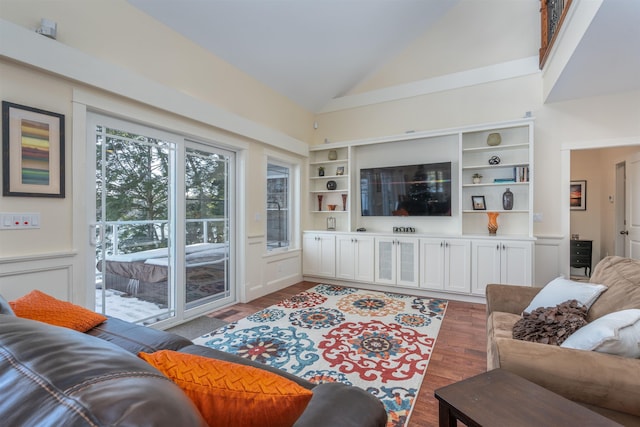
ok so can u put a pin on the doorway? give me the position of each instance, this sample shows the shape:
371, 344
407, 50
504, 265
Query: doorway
605, 215
162, 226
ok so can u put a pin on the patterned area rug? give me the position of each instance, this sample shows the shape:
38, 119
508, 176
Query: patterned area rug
381, 342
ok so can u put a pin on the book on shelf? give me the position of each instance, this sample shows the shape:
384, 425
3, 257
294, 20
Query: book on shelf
499, 180
521, 174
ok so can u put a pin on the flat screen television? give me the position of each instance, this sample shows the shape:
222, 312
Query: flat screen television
408, 190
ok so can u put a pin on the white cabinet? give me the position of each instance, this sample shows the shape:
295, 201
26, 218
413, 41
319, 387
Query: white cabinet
319, 254
354, 257
445, 264
396, 261
500, 261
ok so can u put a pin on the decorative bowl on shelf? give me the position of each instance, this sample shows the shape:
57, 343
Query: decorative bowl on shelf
331, 185
332, 207
494, 139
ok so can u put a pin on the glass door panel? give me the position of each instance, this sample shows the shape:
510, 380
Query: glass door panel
206, 255
134, 261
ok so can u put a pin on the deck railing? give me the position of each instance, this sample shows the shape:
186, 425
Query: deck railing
552, 13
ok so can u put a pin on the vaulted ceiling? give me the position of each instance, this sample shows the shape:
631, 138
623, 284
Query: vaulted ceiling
313, 51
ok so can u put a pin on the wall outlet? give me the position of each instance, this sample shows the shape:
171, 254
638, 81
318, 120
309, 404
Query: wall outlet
537, 217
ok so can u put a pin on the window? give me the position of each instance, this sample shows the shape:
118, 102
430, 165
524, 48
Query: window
279, 218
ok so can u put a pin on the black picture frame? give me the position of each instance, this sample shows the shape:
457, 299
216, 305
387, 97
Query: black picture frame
478, 203
33, 163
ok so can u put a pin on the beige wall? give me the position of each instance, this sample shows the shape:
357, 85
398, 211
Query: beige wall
120, 34
472, 34
142, 54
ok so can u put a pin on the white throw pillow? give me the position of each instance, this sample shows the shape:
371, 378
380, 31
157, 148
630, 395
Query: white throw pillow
615, 333
560, 290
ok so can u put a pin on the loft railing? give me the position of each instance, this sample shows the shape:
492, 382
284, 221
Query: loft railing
552, 13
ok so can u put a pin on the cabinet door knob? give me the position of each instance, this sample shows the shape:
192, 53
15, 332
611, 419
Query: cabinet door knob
624, 232
498, 247
441, 243
446, 244
504, 247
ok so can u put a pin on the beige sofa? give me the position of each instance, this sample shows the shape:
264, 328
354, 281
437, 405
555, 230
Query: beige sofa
605, 383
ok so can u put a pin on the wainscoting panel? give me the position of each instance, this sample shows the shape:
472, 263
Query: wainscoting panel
254, 285
275, 271
547, 259
50, 274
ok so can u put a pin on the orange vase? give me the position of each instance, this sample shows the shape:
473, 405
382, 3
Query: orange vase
493, 222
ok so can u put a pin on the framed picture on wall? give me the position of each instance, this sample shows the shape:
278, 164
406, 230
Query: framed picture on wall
32, 152
578, 196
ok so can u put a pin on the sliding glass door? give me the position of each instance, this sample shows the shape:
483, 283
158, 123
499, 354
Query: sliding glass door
159, 256
206, 230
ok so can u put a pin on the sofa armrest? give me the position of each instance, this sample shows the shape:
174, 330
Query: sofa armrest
597, 379
509, 298
339, 405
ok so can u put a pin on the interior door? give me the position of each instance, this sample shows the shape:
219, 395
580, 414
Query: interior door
632, 217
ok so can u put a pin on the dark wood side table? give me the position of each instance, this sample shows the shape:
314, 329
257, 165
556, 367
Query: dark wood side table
581, 255
500, 398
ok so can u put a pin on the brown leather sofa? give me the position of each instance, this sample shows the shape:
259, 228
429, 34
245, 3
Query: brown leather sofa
53, 376
606, 383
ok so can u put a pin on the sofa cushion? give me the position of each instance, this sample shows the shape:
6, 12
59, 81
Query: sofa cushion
5, 307
614, 333
551, 325
232, 394
136, 338
499, 325
39, 306
622, 278
560, 290
54, 376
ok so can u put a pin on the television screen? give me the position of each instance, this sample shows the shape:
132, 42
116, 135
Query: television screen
411, 190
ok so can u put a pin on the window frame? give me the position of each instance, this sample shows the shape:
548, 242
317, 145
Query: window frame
293, 219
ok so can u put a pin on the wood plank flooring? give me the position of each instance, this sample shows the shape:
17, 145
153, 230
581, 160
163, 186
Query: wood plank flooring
459, 353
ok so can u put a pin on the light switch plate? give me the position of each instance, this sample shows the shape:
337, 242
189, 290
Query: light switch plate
19, 220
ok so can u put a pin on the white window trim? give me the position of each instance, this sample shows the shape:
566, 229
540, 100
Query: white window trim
294, 203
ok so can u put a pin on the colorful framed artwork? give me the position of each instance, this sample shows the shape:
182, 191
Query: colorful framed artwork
478, 203
32, 152
340, 170
578, 196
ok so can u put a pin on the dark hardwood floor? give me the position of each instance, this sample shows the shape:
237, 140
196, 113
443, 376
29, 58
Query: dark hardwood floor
460, 350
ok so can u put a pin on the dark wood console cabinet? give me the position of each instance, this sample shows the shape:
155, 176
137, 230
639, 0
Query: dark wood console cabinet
581, 255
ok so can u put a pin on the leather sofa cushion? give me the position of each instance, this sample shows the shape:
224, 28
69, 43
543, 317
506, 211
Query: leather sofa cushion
136, 338
57, 376
5, 308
